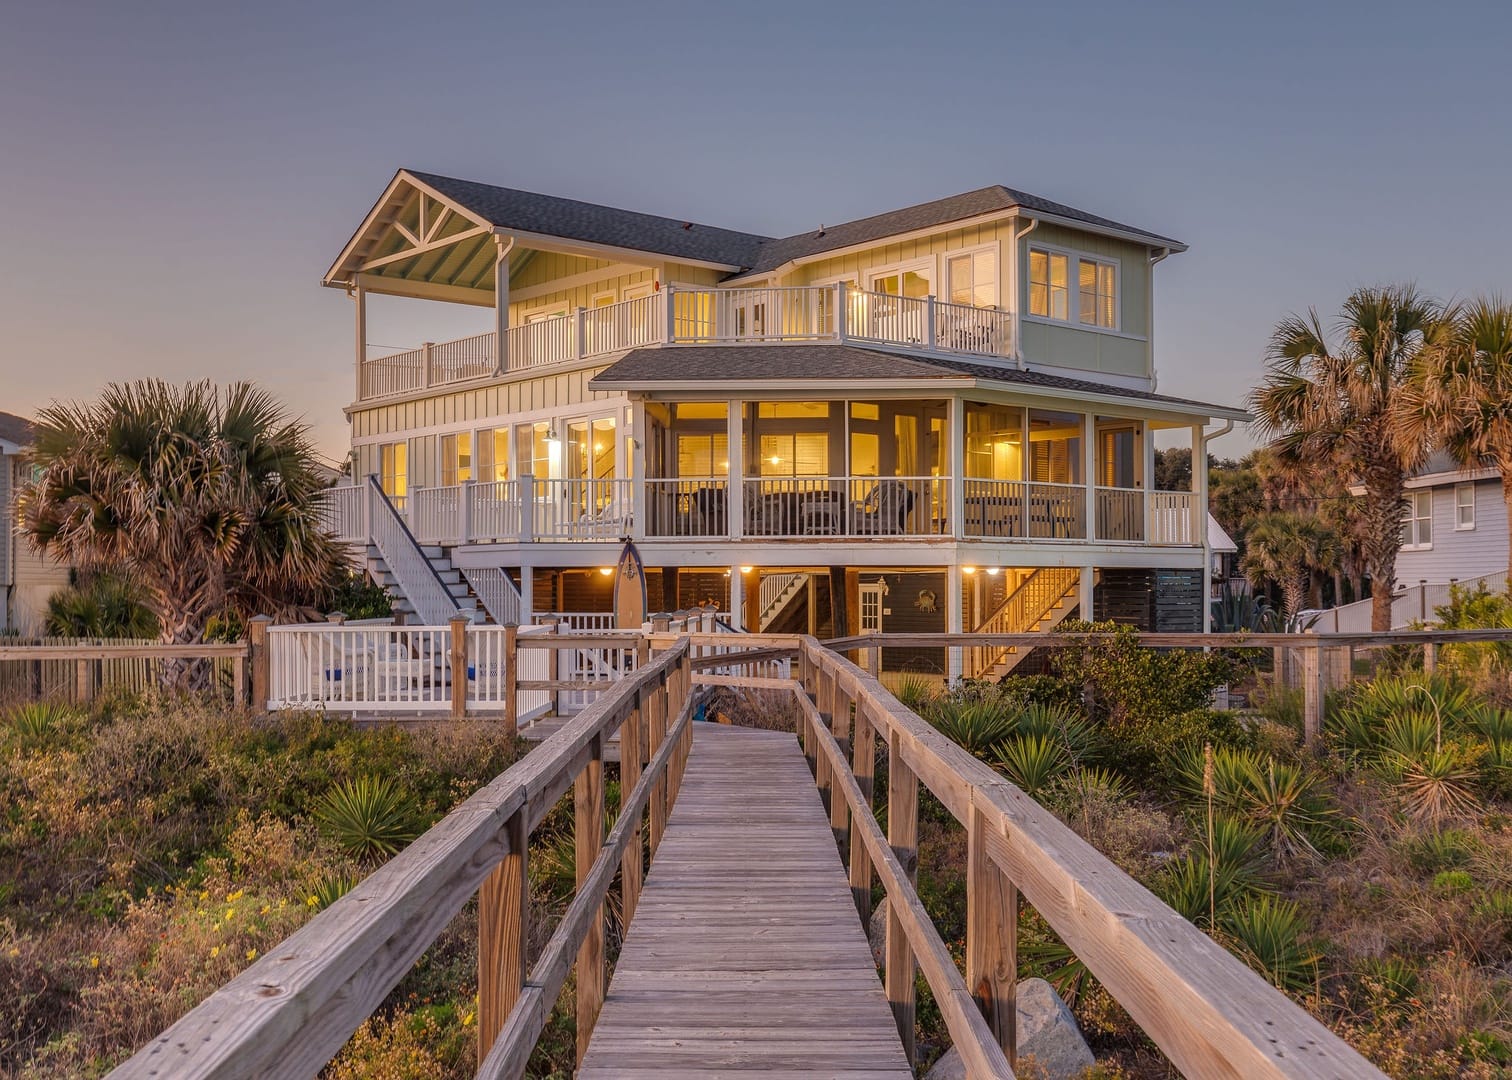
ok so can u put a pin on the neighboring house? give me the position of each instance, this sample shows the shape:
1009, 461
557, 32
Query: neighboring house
832, 431
27, 578
1455, 526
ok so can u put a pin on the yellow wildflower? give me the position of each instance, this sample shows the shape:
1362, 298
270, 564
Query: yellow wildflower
94, 961
467, 1020
230, 913
204, 894
265, 910
202, 911
237, 895
311, 901
251, 954
15, 951
216, 928
214, 951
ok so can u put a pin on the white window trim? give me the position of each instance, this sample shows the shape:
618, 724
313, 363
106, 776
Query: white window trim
1458, 525
1413, 516
929, 263
612, 294
548, 311
993, 246
1073, 274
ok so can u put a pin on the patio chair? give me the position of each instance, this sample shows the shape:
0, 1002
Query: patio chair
884, 511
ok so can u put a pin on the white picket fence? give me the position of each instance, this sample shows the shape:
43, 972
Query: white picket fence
1414, 604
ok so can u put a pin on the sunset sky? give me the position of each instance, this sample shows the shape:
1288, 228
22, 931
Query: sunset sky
175, 178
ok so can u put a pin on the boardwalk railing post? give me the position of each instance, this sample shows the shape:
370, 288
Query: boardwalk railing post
1430, 657
820, 761
503, 932
588, 839
239, 680
991, 936
863, 764
632, 863
257, 646
657, 735
512, 679
903, 838
1312, 694
840, 724
458, 623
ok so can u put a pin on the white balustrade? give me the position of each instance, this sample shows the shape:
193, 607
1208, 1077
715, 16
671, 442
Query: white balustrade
494, 510
465, 358
581, 509
1174, 518
847, 506
356, 669
433, 602
578, 622
435, 514
688, 506
341, 513
1120, 514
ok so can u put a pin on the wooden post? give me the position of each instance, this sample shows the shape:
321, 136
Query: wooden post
83, 682
1312, 695
657, 728
863, 764
239, 680
511, 679
1430, 657
840, 723
458, 665
257, 648
503, 933
903, 837
821, 760
874, 661
588, 839
632, 863
991, 935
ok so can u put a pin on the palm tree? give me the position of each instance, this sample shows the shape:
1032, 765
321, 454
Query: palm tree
104, 606
1463, 391
204, 499
1287, 549
1346, 404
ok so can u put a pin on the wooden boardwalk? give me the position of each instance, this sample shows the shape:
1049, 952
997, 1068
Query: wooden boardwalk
746, 953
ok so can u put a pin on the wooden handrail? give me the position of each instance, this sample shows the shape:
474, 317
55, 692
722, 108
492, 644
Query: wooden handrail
113, 652
1057, 639
293, 1009
1207, 1011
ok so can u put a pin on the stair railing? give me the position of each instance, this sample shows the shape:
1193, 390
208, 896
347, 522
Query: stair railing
422, 586
1019, 613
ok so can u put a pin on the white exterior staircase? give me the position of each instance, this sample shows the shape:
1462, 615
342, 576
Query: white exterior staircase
778, 591
1040, 603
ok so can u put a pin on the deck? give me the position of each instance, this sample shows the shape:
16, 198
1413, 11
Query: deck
746, 953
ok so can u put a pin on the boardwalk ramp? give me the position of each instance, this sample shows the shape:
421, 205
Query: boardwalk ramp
746, 954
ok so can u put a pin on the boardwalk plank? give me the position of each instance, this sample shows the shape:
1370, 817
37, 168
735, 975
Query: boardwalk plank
745, 954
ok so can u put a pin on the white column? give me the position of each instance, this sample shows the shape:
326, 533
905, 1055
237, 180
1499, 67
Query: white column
1199, 522
359, 294
955, 431
1089, 470
734, 445
501, 303
737, 598
953, 621
527, 594
1084, 592
1147, 477
635, 467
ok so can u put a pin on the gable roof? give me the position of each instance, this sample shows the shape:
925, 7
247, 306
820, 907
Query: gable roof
677, 366
15, 430
509, 209
526, 211
971, 204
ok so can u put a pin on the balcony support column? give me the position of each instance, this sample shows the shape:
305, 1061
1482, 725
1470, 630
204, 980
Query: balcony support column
1147, 477
954, 623
1085, 591
1199, 521
1089, 471
502, 245
359, 294
737, 598
955, 431
735, 483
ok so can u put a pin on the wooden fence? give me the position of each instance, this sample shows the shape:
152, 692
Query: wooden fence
293, 1009
1206, 1010
75, 670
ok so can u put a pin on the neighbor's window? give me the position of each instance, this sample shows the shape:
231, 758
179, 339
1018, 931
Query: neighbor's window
1417, 522
456, 458
973, 278
393, 469
493, 454
1099, 293
1464, 507
1048, 277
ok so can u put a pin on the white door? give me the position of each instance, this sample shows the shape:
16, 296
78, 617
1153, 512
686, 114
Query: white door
871, 607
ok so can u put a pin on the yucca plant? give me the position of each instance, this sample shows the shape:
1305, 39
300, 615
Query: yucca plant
369, 817
1393, 977
1436, 784
1287, 801
1197, 888
332, 888
1060, 722
1032, 761
1229, 777
976, 726
36, 720
914, 691
1267, 933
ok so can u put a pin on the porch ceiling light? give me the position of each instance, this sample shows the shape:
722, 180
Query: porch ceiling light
994, 571
968, 569
746, 569
607, 571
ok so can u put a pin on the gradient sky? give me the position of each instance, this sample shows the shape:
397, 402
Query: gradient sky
174, 178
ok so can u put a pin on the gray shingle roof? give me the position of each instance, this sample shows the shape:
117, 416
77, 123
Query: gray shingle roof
509, 208
645, 368
15, 429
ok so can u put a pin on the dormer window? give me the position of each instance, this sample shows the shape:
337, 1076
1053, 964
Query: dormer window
1096, 288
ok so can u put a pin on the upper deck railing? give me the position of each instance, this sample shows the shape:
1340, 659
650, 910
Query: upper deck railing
683, 315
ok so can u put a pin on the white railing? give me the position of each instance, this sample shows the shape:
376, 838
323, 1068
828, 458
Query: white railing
493, 510
342, 513
847, 506
774, 594
1014, 509
355, 669
435, 513
1120, 513
433, 602
577, 622
1174, 518
581, 509
688, 506
496, 592
700, 316
487, 669
1411, 604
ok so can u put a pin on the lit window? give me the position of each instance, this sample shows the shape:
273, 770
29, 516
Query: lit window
393, 468
1048, 276
1417, 521
1464, 507
456, 458
973, 279
493, 455
1098, 294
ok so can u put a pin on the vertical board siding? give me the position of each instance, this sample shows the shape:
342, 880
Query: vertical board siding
1460, 555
